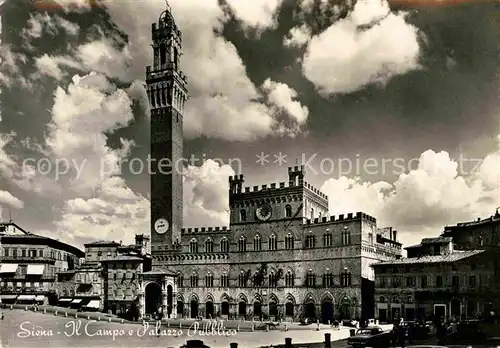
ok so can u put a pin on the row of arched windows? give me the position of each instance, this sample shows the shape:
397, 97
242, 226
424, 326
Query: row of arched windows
310, 242
273, 280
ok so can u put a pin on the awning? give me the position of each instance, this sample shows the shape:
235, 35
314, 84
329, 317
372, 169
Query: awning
40, 298
8, 297
76, 300
64, 300
93, 304
26, 297
8, 268
35, 269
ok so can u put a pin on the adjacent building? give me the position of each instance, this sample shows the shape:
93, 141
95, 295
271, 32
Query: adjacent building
437, 279
29, 264
108, 279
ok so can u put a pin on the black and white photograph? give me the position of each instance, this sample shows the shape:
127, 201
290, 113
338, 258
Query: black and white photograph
250, 173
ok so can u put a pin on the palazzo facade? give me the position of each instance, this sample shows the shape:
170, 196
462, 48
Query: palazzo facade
282, 255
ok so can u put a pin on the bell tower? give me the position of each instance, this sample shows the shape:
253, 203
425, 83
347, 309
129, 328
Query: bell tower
167, 93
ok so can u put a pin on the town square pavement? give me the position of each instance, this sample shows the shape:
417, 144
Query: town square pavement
34, 329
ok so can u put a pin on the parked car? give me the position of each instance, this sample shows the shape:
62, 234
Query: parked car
419, 329
371, 336
469, 334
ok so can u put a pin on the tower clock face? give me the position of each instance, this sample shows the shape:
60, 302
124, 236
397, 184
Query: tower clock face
263, 212
161, 226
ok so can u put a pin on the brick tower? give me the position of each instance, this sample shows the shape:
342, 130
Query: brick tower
167, 93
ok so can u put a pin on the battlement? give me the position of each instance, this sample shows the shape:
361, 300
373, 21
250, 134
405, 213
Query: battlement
217, 229
342, 217
272, 187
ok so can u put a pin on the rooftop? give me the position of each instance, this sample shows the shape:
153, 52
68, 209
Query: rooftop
479, 221
102, 243
123, 258
452, 257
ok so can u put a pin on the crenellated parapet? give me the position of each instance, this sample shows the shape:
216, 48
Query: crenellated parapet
341, 218
217, 229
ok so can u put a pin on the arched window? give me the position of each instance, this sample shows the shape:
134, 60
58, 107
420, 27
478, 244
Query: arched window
310, 241
242, 244
381, 299
346, 236
194, 280
288, 211
289, 241
257, 279
176, 58
289, 279
209, 246
163, 54
328, 279
273, 243
224, 245
209, 280
327, 239
312, 213
180, 280
257, 243
224, 280
310, 279
243, 215
273, 280
193, 246
345, 278
241, 280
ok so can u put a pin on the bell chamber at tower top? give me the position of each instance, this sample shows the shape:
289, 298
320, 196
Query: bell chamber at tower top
166, 84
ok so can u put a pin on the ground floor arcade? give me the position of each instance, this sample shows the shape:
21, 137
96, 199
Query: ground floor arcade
266, 306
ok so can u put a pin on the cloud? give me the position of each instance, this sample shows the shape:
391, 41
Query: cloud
40, 24
82, 116
206, 195
115, 213
424, 200
371, 45
224, 102
260, 14
297, 36
22, 173
282, 99
7, 199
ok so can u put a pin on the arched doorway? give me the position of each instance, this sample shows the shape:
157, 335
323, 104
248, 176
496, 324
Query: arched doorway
180, 309
345, 309
170, 300
289, 309
310, 310
194, 308
242, 308
257, 309
209, 310
327, 311
224, 308
455, 308
273, 309
153, 297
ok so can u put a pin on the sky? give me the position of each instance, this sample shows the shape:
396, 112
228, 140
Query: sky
393, 108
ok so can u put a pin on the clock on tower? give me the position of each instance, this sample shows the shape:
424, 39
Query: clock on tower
167, 93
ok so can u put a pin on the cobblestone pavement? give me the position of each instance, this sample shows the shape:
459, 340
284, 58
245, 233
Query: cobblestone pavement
34, 329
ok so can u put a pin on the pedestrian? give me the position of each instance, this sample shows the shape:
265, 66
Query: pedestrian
394, 334
410, 334
159, 319
401, 336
